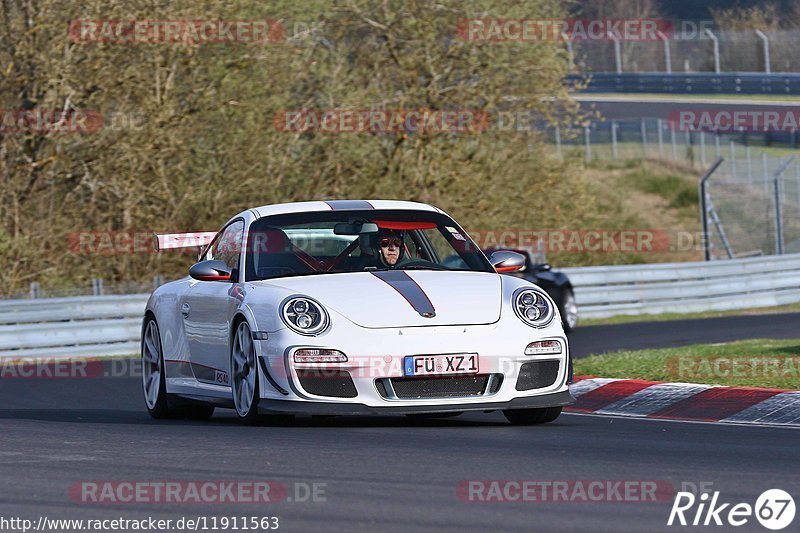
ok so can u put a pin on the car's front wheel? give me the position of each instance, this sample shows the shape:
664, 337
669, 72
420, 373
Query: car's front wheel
244, 373
244, 382
528, 417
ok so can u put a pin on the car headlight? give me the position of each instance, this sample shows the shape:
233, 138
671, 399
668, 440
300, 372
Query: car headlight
533, 307
304, 315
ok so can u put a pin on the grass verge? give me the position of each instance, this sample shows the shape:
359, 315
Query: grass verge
767, 363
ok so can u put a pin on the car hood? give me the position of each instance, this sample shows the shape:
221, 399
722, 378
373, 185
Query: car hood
401, 298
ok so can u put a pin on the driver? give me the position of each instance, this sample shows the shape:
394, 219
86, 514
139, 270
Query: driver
390, 247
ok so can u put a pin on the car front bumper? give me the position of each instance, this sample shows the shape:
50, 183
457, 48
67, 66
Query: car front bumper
376, 357
288, 407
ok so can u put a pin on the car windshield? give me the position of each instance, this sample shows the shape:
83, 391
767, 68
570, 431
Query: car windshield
300, 244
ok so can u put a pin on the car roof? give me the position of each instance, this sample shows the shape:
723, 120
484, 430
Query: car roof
341, 205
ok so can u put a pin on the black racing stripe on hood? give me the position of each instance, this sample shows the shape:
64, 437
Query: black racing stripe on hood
408, 289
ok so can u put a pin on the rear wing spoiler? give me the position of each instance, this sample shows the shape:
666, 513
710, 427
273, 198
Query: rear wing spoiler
172, 241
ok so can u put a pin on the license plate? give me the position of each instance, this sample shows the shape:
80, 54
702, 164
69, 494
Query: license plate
440, 365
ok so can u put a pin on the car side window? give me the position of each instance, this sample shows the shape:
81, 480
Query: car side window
228, 245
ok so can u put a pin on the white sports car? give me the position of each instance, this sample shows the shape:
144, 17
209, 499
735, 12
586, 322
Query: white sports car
351, 307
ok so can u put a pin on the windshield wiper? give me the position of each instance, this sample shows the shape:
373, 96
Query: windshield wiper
419, 267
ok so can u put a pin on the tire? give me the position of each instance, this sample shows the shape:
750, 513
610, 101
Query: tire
244, 375
154, 385
529, 417
568, 310
156, 399
244, 380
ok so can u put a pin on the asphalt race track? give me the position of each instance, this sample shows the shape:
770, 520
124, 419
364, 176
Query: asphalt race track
385, 473
586, 340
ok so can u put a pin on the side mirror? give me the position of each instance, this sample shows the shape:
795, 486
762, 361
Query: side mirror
505, 261
211, 270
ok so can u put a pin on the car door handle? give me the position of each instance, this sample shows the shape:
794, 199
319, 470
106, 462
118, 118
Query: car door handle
185, 309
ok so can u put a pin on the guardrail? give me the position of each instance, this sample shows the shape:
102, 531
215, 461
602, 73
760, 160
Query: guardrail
686, 287
82, 325
111, 325
692, 83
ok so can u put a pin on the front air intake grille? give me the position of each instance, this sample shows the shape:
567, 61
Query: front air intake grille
439, 387
537, 375
333, 383
495, 384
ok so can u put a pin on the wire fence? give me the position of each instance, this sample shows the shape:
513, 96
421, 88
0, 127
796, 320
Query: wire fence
653, 138
752, 198
753, 210
694, 51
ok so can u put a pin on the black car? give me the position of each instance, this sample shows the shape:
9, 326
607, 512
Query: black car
555, 283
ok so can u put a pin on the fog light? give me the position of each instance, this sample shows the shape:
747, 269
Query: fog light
309, 355
543, 347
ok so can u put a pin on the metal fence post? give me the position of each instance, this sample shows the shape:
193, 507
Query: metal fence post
749, 163
689, 149
158, 280
667, 55
643, 129
716, 143
733, 159
587, 135
614, 152
661, 137
672, 141
704, 207
776, 190
617, 52
35, 291
776, 186
702, 148
764, 39
716, 50
97, 286
797, 183
570, 51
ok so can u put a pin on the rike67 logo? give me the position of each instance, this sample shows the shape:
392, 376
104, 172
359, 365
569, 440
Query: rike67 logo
774, 509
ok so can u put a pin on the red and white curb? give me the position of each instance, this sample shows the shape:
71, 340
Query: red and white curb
685, 401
